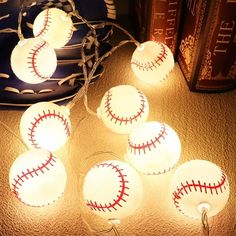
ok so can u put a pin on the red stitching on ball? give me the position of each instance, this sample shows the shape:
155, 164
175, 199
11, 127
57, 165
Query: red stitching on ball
159, 172
185, 189
124, 120
46, 23
43, 205
122, 193
40, 118
31, 174
156, 62
33, 58
149, 145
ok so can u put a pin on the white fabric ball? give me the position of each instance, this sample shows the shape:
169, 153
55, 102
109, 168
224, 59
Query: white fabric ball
153, 148
45, 125
112, 190
152, 62
37, 178
199, 184
33, 60
54, 26
123, 108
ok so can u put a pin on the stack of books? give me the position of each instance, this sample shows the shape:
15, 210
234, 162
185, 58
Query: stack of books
201, 34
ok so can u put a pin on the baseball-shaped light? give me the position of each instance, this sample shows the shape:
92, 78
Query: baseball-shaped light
123, 108
37, 178
152, 62
153, 148
199, 185
112, 190
33, 60
45, 125
54, 26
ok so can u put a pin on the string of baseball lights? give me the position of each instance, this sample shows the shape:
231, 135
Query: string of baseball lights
153, 148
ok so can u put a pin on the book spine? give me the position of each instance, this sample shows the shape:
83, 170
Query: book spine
163, 23
208, 45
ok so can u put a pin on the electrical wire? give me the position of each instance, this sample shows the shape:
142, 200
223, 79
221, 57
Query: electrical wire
205, 225
19, 31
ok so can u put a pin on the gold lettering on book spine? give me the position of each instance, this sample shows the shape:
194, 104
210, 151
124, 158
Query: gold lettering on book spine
207, 68
188, 55
224, 37
192, 6
207, 57
186, 49
164, 23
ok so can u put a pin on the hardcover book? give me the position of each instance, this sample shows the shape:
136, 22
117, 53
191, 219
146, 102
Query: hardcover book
208, 45
157, 20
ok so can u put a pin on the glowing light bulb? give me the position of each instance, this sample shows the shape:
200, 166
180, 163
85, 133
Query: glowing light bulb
45, 125
54, 26
152, 62
198, 185
33, 60
153, 148
37, 178
123, 108
112, 190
